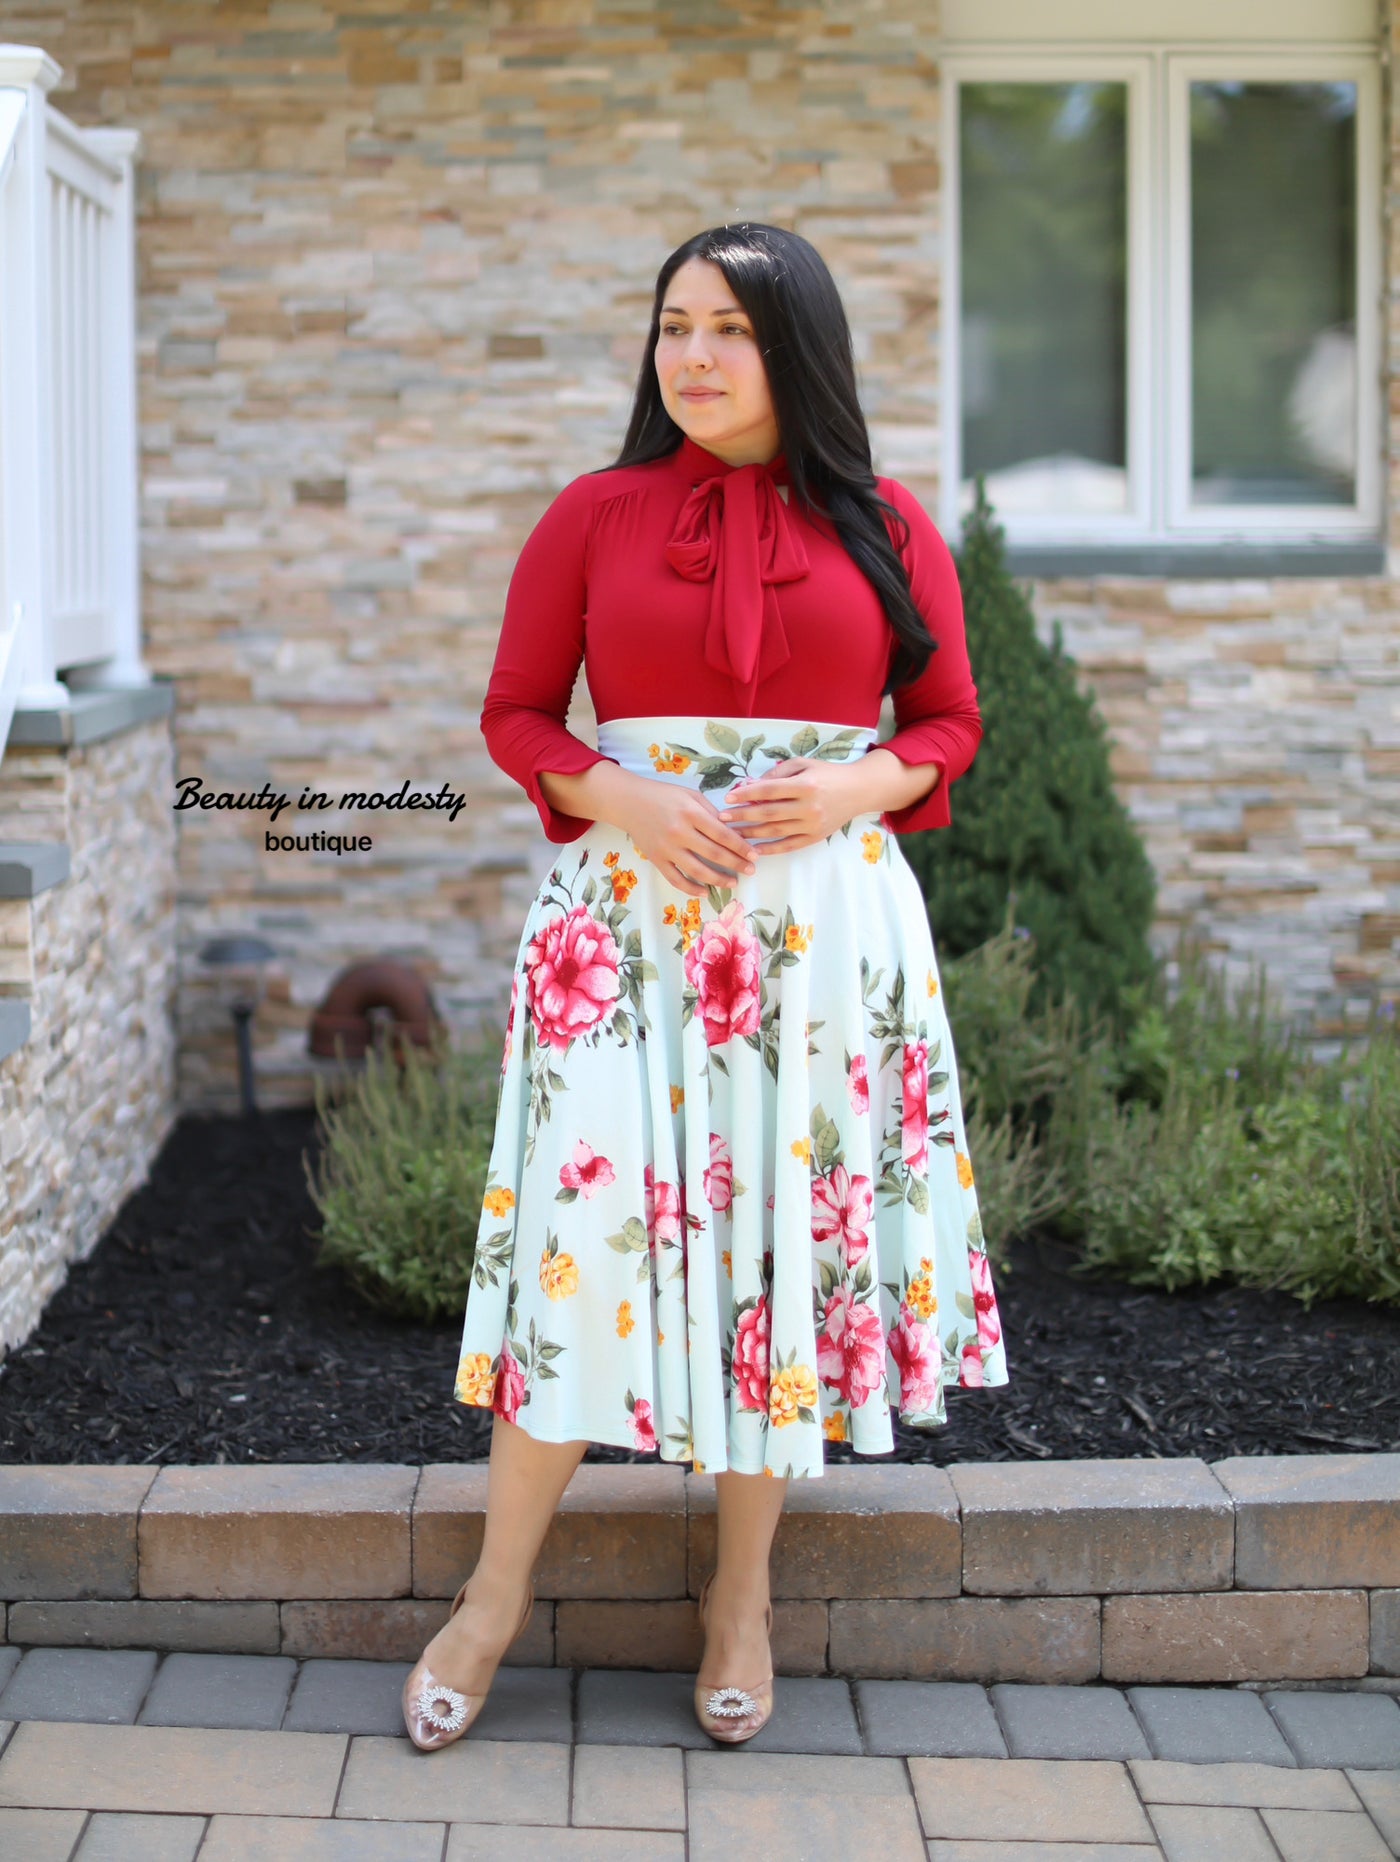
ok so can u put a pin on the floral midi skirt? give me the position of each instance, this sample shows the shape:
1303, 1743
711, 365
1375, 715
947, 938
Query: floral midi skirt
730, 1213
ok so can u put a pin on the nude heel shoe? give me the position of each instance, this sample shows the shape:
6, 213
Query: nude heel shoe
729, 1713
436, 1714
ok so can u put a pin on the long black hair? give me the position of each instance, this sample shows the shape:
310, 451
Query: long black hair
800, 325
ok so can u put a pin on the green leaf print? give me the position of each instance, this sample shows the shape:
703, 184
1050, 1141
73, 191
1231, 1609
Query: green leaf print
631, 1238
805, 740
722, 737
749, 745
826, 1141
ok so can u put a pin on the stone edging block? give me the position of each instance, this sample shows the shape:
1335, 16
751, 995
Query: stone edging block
1314, 1521
1056, 1528
70, 1531
279, 1530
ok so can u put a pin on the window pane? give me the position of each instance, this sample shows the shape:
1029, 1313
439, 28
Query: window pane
1273, 293
1044, 295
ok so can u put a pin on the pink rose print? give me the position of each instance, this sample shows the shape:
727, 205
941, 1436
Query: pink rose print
851, 1347
510, 1385
588, 1171
643, 1429
858, 1085
915, 1147
842, 1206
719, 1178
970, 1368
572, 966
665, 1207
510, 1019
984, 1299
915, 1349
723, 965
751, 1356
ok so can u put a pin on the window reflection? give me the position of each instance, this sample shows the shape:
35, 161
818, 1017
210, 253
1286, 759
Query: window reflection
1044, 303
1273, 269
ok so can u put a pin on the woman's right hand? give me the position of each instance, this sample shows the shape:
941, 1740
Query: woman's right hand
680, 832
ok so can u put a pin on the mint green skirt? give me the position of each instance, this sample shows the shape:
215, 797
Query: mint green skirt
730, 1213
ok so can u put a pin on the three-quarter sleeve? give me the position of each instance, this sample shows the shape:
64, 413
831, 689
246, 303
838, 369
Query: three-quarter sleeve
538, 657
937, 719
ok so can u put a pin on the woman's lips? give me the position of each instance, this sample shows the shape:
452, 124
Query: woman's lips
700, 394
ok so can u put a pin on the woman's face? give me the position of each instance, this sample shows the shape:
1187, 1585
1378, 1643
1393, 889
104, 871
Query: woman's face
706, 340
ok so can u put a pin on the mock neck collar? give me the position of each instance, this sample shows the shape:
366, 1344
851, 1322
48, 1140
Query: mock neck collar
696, 462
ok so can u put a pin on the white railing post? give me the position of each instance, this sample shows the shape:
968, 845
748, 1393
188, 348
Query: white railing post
120, 464
26, 322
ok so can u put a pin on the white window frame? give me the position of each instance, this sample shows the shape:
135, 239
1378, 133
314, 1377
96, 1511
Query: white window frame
1158, 387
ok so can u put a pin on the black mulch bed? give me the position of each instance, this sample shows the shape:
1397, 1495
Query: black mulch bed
201, 1331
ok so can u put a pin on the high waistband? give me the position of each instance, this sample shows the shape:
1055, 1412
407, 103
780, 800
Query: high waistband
711, 753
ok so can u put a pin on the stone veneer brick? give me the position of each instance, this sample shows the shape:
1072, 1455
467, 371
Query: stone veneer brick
1093, 1526
70, 1531
88, 1100
282, 1530
1235, 1635
1314, 1521
858, 1532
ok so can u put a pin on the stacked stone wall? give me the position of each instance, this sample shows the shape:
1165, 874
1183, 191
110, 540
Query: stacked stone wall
87, 1102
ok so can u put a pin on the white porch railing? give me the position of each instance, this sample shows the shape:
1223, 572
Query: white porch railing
69, 573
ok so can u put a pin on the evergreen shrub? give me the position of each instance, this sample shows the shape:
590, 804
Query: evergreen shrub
1037, 824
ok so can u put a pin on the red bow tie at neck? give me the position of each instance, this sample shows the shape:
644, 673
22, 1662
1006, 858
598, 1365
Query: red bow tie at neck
734, 527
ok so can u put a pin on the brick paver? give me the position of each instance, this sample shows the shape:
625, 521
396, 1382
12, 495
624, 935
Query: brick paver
120, 1836
476, 1780
1324, 1728
49, 1765
1325, 1836
79, 1684
39, 1835
1379, 1792
220, 1690
1068, 1723
788, 1806
1209, 1725
348, 1697
639, 1787
931, 1719
292, 1839
1029, 1800
1212, 1833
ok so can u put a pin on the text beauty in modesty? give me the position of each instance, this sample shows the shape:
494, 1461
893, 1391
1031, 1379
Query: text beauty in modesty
193, 794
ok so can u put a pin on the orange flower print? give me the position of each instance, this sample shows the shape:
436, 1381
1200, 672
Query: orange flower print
803, 1149
920, 1298
558, 1272
623, 882
932, 984
661, 1338
499, 1200
799, 937
728, 1260
611, 858
834, 1428
475, 1382
668, 915
626, 1324
871, 842
677, 1098
793, 1388
964, 1169
673, 763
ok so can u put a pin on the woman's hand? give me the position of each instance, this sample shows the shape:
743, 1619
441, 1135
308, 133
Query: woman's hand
799, 802
681, 833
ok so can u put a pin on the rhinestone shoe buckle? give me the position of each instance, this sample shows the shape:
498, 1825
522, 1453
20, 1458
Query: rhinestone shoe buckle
730, 1703
449, 1722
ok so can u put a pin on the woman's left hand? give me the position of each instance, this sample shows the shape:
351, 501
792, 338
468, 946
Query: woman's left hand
799, 802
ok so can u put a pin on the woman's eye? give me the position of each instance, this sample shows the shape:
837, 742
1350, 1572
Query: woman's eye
672, 329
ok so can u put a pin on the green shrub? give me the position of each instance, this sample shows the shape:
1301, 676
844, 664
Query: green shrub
1037, 822
402, 1176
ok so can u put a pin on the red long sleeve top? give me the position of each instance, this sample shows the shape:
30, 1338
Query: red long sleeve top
688, 586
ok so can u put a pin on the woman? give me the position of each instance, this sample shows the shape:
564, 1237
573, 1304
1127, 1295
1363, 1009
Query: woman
730, 1212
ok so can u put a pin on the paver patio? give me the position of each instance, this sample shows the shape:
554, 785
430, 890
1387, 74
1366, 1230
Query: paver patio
136, 1756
